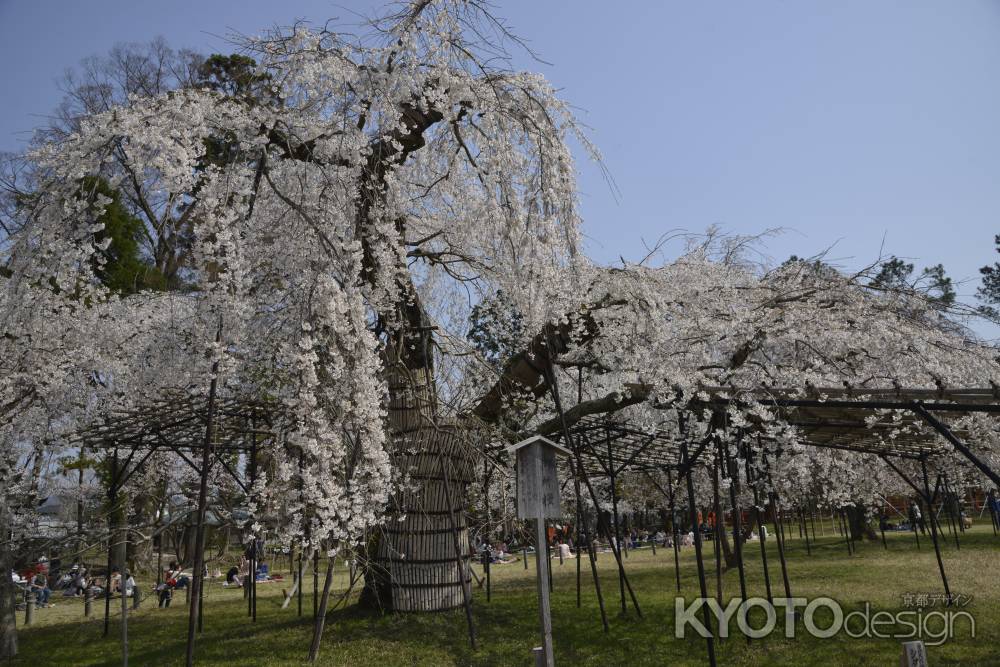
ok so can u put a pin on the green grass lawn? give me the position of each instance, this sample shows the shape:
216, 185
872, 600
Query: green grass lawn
507, 626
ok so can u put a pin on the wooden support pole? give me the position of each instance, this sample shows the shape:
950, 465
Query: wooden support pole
675, 531
542, 566
951, 502
760, 536
779, 536
842, 515
717, 528
780, 539
489, 584
805, 530
199, 548
113, 496
615, 551
993, 510
734, 486
459, 556
554, 387
934, 537
122, 551
616, 535
763, 550
579, 552
251, 575
159, 559
698, 553
201, 609
319, 618
315, 583
124, 625
255, 560
253, 585
591, 556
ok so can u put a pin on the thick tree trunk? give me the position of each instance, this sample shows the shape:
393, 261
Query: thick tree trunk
8, 600
414, 560
860, 529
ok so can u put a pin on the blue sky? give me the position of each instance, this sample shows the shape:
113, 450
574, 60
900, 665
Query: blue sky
855, 125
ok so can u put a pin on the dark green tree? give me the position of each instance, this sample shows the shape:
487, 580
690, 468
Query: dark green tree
234, 75
120, 265
895, 274
989, 291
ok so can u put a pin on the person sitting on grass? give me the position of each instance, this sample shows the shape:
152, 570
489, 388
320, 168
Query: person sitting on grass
116, 580
79, 585
233, 577
182, 579
129, 585
164, 593
40, 587
166, 589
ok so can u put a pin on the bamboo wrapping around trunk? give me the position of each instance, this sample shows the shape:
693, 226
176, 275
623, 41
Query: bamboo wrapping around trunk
414, 563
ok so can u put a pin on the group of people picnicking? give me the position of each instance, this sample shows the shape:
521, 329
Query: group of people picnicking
561, 539
237, 575
680, 529
915, 520
40, 580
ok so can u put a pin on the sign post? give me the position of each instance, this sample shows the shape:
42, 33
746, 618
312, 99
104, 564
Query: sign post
538, 499
914, 655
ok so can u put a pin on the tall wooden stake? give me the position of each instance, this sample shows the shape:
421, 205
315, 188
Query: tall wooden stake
113, 495
717, 531
616, 535
760, 531
463, 580
675, 529
579, 472
199, 547
934, 535
590, 546
122, 554
734, 485
698, 552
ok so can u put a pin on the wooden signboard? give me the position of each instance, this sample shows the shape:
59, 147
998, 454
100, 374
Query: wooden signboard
914, 655
537, 480
538, 498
